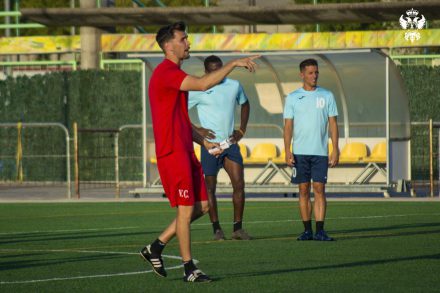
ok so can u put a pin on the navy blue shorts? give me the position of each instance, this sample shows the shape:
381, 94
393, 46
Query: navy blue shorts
211, 165
310, 168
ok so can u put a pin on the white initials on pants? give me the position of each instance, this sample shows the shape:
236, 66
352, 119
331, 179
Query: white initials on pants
183, 193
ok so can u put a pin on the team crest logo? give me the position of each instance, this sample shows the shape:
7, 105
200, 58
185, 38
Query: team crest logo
412, 23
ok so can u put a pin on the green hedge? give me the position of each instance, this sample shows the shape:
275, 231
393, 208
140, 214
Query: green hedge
422, 87
93, 99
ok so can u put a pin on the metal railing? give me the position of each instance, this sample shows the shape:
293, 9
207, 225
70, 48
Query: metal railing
427, 60
118, 157
43, 125
425, 157
17, 25
15, 68
121, 64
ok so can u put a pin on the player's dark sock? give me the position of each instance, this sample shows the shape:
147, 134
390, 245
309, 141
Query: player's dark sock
157, 246
319, 226
216, 226
189, 266
237, 225
307, 225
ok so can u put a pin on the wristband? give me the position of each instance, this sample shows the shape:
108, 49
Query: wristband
241, 131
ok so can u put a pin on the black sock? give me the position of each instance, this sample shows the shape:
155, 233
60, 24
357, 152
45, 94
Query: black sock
319, 226
157, 246
307, 225
216, 226
237, 225
189, 266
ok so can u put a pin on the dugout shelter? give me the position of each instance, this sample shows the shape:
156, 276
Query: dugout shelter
373, 111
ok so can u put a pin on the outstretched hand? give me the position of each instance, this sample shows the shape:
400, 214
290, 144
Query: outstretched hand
248, 63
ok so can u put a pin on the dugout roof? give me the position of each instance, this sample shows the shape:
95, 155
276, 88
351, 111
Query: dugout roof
358, 79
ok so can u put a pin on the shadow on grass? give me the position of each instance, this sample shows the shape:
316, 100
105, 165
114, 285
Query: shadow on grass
393, 227
388, 231
358, 233
19, 255
386, 235
274, 237
38, 237
332, 267
14, 265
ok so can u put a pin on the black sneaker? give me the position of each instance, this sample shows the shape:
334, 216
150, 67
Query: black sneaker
156, 262
306, 235
196, 276
322, 236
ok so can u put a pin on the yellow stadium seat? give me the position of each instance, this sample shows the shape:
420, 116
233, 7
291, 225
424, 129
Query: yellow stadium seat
281, 159
153, 161
376, 163
266, 154
353, 152
197, 151
330, 148
379, 153
243, 150
262, 153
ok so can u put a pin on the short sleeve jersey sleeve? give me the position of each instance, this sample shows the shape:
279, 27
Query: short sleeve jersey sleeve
332, 107
241, 96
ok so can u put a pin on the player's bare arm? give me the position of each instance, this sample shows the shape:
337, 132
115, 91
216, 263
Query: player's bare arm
245, 110
288, 130
193, 83
334, 135
205, 132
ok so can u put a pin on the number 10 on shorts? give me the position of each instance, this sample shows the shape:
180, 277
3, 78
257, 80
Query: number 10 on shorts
293, 172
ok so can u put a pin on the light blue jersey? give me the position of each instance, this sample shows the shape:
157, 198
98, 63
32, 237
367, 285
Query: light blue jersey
216, 107
310, 111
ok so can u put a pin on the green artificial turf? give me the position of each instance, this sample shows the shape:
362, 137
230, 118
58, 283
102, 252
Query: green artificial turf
92, 247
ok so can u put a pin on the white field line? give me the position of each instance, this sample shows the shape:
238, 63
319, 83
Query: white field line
247, 222
82, 277
89, 276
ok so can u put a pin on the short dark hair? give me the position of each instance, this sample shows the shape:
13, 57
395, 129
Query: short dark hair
211, 59
307, 62
166, 33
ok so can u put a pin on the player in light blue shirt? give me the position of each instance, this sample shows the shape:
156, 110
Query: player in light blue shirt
308, 114
216, 109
